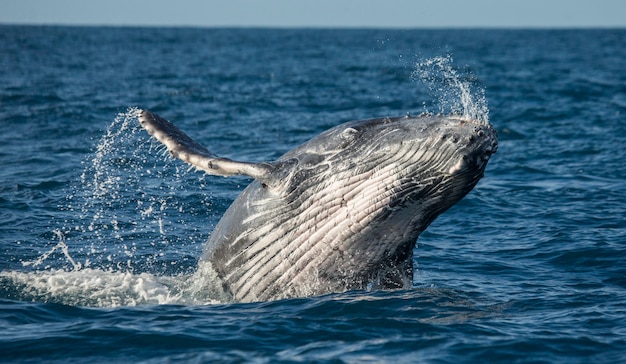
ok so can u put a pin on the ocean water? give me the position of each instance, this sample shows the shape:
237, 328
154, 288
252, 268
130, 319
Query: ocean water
100, 231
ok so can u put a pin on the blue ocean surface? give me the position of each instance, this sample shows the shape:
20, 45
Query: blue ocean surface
101, 231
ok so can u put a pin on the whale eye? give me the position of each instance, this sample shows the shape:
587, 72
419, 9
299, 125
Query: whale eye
349, 133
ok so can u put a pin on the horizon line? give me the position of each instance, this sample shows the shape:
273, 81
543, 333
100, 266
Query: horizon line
320, 27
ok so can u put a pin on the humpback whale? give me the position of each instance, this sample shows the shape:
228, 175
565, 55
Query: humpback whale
341, 211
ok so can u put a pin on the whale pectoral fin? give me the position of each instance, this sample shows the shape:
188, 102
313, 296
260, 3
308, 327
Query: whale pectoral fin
186, 149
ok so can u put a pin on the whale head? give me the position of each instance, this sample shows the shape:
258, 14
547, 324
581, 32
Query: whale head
415, 162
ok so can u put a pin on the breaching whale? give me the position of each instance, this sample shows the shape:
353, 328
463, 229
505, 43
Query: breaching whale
341, 211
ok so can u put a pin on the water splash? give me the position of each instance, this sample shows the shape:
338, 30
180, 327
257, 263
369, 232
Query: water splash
131, 235
455, 92
99, 288
62, 246
130, 205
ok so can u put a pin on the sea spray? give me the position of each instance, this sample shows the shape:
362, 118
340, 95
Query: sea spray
130, 205
62, 246
453, 91
133, 236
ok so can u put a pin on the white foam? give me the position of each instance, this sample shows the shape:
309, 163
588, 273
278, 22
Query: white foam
99, 288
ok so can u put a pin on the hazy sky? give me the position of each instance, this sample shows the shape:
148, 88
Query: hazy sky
319, 13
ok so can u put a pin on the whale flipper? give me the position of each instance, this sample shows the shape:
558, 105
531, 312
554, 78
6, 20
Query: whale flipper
186, 149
